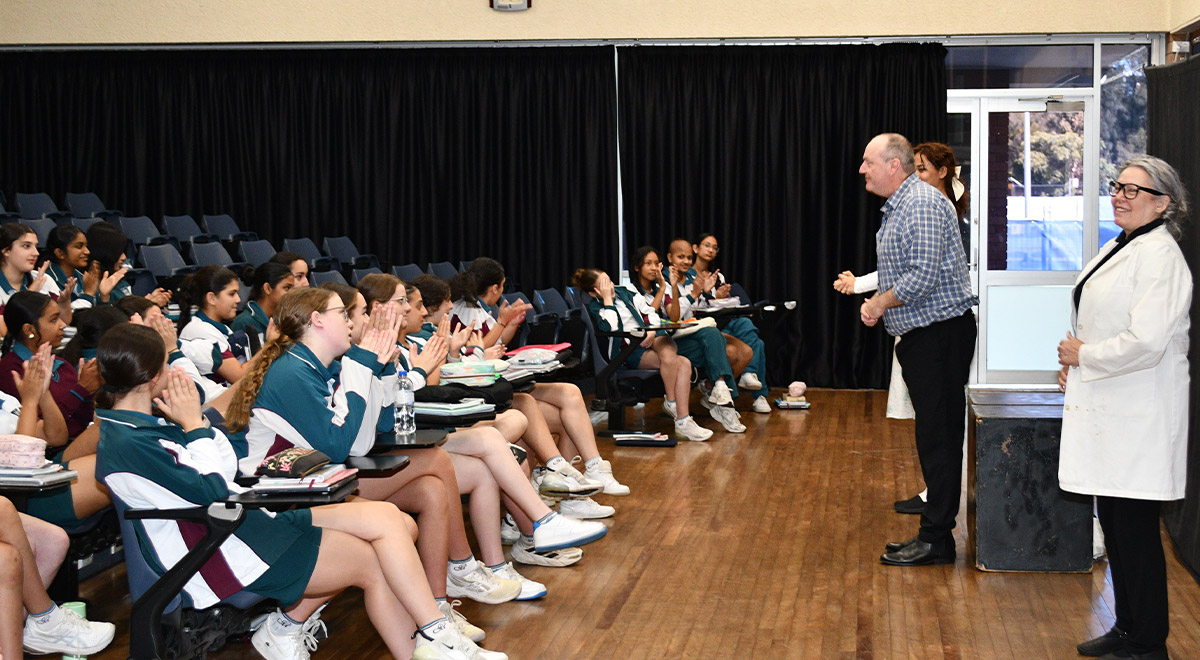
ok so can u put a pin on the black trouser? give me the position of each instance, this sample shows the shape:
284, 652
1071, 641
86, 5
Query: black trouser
936, 361
1139, 570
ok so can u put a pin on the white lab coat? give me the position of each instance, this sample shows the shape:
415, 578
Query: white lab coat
1124, 431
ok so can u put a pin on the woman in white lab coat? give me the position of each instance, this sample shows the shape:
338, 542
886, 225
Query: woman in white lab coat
1125, 374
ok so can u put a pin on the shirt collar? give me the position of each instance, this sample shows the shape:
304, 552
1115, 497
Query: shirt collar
900, 192
25, 282
1123, 237
302, 353
131, 418
22, 350
216, 324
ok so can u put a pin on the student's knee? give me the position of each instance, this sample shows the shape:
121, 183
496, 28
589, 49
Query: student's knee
430, 493
387, 516
8, 512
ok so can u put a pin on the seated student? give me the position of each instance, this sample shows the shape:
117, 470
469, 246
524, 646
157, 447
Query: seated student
271, 281
18, 267
476, 294
430, 485
47, 628
381, 288
106, 245
742, 329
301, 558
204, 337
296, 264
704, 345
68, 255
621, 310
90, 325
35, 326
143, 311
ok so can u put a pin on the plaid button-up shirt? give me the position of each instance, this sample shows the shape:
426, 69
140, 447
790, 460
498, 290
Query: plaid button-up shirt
921, 258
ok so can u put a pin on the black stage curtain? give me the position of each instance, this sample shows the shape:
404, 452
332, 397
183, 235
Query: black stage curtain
761, 146
1173, 134
418, 155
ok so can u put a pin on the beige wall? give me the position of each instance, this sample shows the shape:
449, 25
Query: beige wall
216, 21
1184, 13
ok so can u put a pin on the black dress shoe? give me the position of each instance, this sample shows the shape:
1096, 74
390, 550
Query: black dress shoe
1113, 640
920, 553
913, 504
893, 546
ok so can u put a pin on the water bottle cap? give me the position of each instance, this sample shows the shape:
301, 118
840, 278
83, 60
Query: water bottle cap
402, 373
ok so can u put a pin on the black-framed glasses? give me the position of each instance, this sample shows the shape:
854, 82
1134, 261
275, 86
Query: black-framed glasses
1130, 190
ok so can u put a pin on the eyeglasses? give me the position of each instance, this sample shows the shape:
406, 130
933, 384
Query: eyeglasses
342, 309
710, 246
1130, 190
401, 300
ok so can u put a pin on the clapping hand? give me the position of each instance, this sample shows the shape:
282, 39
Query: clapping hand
110, 281
513, 314
495, 351
39, 280
460, 336
88, 374
844, 283
36, 380
180, 401
159, 296
431, 357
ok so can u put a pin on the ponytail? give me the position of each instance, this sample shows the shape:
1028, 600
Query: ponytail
196, 287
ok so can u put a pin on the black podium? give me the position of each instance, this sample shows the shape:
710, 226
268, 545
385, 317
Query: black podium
1017, 517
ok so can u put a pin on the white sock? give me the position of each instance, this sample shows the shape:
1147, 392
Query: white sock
591, 463
556, 463
435, 627
47, 619
463, 567
681, 420
284, 624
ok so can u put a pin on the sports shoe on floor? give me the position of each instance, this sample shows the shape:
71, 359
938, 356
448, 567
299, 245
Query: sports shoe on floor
530, 590
524, 553
508, 530
572, 473
468, 629
481, 586
584, 508
565, 532
670, 409
560, 484
729, 418
720, 394
449, 644
688, 429
298, 644
750, 381
73, 635
761, 405
602, 472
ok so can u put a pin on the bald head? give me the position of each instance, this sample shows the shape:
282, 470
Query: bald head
887, 162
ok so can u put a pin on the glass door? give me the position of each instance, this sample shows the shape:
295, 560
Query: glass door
1035, 188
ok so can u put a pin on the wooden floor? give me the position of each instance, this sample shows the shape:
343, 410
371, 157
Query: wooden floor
766, 545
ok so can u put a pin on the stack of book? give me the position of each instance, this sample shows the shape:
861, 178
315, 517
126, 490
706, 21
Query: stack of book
46, 475
456, 409
324, 480
468, 373
787, 401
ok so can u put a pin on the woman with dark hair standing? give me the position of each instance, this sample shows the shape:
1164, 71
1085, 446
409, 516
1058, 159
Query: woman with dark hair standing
205, 336
1125, 413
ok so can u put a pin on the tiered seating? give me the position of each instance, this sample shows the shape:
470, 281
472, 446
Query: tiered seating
88, 205
39, 205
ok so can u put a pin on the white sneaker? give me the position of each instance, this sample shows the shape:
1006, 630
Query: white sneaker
750, 382
688, 429
508, 530
561, 484
761, 405
468, 629
449, 644
73, 635
530, 590
481, 585
669, 408
572, 474
720, 394
295, 645
602, 472
523, 552
729, 418
584, 508
564, 532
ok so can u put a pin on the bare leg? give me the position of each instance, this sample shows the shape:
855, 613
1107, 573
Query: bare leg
524, 523
566, 415
511, 424
738, 353
676, 371
33, 592
12, 615
49, 544
488, 445
537, 435
475, 478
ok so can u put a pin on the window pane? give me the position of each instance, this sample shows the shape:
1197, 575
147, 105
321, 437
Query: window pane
1012, 67
1122, 118
1025, 325
1035, 181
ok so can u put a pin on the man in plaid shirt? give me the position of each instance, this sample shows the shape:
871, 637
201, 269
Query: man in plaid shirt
925, 298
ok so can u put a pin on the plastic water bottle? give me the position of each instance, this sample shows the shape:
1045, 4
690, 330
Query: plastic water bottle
406, 423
